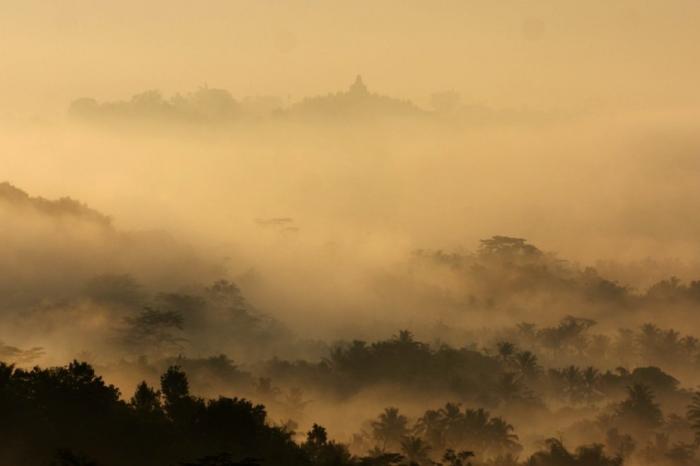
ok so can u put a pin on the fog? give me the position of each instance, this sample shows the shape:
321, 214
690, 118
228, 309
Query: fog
336, 208
512, 53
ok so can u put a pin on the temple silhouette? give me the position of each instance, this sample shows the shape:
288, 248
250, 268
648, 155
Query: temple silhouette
356, 101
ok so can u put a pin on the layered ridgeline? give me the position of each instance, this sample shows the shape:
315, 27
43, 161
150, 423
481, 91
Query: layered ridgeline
216, 106
72, 282
61, 243
58, 250
70, 416
485, 378
65, 262
210, 105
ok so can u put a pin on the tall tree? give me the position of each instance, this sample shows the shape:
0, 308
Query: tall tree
693, 415
390, 428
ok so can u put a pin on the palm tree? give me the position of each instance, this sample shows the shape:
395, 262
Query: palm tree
640, 410
416, 450
390, 427
526, 364
452, 423
451, 411
432, 427
475, 421
500, 437
573, 381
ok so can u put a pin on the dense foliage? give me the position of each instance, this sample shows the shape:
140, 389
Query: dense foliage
70, 416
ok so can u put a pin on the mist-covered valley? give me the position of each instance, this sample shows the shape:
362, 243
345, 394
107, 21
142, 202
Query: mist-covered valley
343, 234
333, 294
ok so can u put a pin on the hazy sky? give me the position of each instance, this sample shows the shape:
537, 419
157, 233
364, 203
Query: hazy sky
580, 132
620, 183
559, 53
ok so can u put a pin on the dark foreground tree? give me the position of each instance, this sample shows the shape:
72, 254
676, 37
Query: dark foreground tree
68, 416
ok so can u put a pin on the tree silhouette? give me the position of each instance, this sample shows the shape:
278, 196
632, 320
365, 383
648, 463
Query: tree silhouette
526, 365
432, 427
416, 450
457, 458
500, 437
693, 415
323, 452
639, 411
174, 386
146, 399
390, 427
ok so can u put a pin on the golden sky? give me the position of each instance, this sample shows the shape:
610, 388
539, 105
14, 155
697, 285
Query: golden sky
550, 53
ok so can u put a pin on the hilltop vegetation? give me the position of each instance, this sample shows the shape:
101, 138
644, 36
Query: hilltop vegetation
604, 384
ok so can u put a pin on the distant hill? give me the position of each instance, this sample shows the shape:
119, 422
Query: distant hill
217, 106
63, 207
51, 248
205, 105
